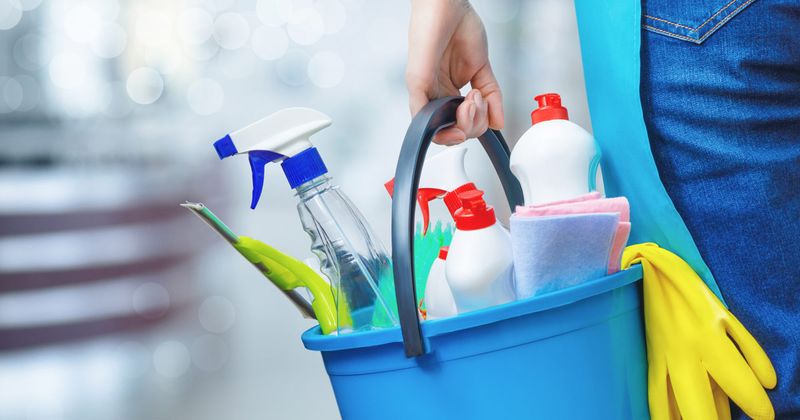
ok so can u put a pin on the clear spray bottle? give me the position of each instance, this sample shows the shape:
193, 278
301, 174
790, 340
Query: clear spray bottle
350, 254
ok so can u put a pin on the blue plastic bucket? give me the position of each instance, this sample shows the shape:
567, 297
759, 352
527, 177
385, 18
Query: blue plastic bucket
573, 354
577, 353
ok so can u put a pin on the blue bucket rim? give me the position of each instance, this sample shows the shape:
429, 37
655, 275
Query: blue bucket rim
313, 339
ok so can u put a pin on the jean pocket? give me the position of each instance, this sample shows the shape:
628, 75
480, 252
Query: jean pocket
690, 20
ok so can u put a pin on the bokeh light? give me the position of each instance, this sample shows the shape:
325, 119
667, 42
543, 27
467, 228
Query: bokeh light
111, 40
231, 31
306, 26
150, 300
82, 24
68, 70
195, 26
216, 314
326, 69
171, 359
26, 51
269, 43
10, 13
333, 13
144, 85
107, 9
274, 12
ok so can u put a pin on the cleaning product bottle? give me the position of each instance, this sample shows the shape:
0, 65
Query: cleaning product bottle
350, 255
439, 302
555, 159
443, 173
479, 261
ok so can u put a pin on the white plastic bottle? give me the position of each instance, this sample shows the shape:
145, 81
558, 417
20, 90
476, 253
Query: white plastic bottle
439, 302
479, 262
555, 159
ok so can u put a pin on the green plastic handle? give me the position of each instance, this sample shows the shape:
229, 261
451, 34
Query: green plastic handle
289, 273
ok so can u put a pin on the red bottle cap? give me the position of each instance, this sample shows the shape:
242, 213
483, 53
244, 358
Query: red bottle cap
443, 252
451, 198
549, 109
474, 214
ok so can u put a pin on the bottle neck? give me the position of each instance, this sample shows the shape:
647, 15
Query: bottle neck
314, 186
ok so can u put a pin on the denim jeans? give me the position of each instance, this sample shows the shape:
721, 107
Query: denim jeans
720, 89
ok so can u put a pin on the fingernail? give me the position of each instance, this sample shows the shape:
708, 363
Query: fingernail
478, 99
471, 112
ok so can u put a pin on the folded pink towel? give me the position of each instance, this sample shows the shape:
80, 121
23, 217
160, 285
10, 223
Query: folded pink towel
617, 246
598, 205
594, 195
590, 203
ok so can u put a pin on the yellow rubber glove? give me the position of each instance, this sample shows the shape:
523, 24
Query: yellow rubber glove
698, 353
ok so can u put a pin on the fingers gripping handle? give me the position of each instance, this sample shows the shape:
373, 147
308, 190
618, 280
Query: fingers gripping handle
436, 115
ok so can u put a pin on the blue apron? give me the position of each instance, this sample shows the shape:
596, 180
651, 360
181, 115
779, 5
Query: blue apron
610, 35
719, 79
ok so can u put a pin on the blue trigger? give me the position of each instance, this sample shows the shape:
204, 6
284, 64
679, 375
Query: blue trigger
258, 160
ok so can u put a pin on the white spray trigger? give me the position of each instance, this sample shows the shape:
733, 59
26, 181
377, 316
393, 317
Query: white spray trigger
445, 170
285, 132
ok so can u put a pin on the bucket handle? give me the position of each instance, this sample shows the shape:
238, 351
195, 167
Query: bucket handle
436, 115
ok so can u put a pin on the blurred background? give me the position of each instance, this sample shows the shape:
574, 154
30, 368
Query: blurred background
115, 303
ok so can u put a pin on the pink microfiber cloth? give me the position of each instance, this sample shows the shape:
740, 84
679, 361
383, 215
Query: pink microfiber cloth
556, 252
594, 195
585, 204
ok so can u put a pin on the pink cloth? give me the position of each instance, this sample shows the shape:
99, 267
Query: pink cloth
594, 195
590, 203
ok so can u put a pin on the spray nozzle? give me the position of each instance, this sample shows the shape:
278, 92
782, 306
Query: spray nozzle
281, 136
442, 173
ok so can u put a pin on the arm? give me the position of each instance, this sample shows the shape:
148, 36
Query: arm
447, 49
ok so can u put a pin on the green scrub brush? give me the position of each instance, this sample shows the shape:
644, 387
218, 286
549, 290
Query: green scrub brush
426, 250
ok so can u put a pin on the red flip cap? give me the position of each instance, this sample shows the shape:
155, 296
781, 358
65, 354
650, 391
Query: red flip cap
443, 252
452, 201
474, 214
549, 108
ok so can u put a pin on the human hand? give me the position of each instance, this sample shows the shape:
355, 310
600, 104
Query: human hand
447, 48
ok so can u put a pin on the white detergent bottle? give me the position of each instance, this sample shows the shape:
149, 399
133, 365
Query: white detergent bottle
479, 262
439, 302
555, 159
441, 174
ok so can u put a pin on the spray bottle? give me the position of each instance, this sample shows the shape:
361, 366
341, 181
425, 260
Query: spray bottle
350, 255
441, 174
555, 159
439, 302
